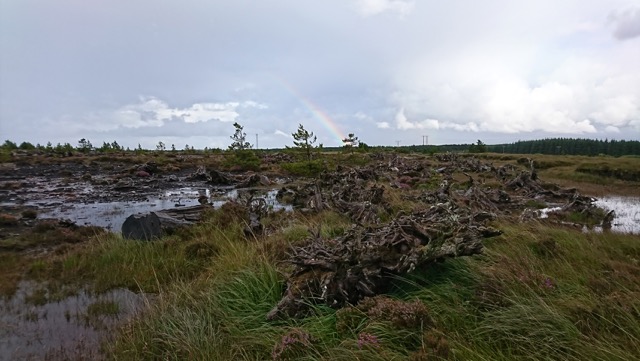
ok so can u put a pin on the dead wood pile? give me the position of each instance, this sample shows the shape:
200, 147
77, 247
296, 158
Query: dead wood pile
361, 263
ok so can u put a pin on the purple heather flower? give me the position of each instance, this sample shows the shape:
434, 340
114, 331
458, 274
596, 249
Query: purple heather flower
548, 283
365, 339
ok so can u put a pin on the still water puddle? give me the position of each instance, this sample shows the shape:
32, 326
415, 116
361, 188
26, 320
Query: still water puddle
627, 211
71, 328
111, 215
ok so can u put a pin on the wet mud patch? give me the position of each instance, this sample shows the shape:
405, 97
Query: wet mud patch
106, 199
44, 234
111, 215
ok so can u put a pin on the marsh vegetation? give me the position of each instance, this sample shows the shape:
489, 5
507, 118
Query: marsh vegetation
542, 288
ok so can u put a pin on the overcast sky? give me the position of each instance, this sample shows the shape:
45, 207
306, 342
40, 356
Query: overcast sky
390, 71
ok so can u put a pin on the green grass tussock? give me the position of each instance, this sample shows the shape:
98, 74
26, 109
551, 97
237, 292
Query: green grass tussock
538, 293
306, 169
108, 261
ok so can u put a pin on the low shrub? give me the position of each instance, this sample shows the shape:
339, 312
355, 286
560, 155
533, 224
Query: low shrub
305, 169
243, 160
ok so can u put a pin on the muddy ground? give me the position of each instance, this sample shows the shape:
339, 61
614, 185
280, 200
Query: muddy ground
102, 193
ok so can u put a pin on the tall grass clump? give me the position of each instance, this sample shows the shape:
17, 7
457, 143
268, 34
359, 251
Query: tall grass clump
215, 320
539, 292
109, 261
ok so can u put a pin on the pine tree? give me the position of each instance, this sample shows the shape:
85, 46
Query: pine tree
304, 141
351, 141
84, 145
239, 139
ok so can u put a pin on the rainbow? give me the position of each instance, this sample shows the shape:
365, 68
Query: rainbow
317, 112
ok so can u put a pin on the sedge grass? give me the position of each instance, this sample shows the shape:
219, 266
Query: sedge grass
539, 292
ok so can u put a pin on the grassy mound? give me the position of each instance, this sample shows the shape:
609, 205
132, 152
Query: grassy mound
538, 293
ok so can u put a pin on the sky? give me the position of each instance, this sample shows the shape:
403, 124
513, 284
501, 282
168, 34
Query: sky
393, 72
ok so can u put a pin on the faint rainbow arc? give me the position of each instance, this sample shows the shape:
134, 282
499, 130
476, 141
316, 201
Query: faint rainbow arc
317, 112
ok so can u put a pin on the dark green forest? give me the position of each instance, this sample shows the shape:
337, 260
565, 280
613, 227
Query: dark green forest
570, 146
565, 146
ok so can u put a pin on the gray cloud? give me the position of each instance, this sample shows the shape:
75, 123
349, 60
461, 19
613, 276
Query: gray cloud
147, 71
627, 23
154, 112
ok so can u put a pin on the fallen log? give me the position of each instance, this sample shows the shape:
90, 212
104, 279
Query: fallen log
154, 225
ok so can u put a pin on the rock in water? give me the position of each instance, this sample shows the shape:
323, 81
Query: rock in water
157, 224
142, 227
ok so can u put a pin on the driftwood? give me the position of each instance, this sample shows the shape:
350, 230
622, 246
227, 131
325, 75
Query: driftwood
157, 224
307, 197
256, 209
361, 263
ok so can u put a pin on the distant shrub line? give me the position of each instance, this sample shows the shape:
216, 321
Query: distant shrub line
559, 146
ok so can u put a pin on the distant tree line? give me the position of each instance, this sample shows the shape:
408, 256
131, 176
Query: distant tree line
83, 146
570, 146
304, 142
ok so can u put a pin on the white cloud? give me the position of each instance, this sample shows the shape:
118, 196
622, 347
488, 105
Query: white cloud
281, 133
153, 112
611, 129
375, 7
403, 123
383, 125
361, 116
572, 98
252, 104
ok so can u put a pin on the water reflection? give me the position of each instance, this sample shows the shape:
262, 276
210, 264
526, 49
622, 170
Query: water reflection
69, 328
111, 215
627, 211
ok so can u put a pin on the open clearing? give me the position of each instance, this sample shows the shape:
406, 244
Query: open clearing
371, 256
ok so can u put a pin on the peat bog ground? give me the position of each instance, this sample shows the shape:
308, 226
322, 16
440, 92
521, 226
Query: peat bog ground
376, 256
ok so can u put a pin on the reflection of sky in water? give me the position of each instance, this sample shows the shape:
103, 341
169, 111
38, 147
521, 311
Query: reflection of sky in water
111, 215
627, 212
59, 330
544, 213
